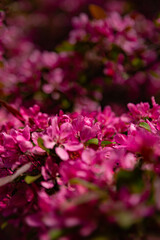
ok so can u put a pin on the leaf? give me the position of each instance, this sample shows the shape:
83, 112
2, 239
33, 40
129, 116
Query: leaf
4, 225
30, 179
84, 183
41, 144
56, 233
136, 62
39, 130
145, 126
154, 74
65, 47
104, 143
92, 141
97, 12
100, 238
125, 219
11, 178
65, 104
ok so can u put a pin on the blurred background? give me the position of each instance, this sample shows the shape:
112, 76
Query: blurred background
47, 22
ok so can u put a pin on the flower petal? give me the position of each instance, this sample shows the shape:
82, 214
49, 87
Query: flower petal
62, 153
73, 147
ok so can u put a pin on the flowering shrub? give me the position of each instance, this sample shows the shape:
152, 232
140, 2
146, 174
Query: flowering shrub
51, 19
72, 166
81, 175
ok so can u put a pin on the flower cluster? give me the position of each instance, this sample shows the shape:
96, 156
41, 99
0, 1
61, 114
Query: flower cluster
81, 175
123, 53
50, 18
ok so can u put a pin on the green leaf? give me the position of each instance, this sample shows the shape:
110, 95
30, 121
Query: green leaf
65, 104
84, 183
65, 47
100, 238
154, 74
125, 219
136, 62
4, 225
39, 130
41, 144
56, 234
82, 79
30, 179
104, 143
145, 126
92, 141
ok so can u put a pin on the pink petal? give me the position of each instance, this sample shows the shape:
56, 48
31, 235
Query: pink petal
54, 124
33, 220
73, 147
26, 133
48, 142
47, 185
88, 155
38, 151
66, 130
62, 153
